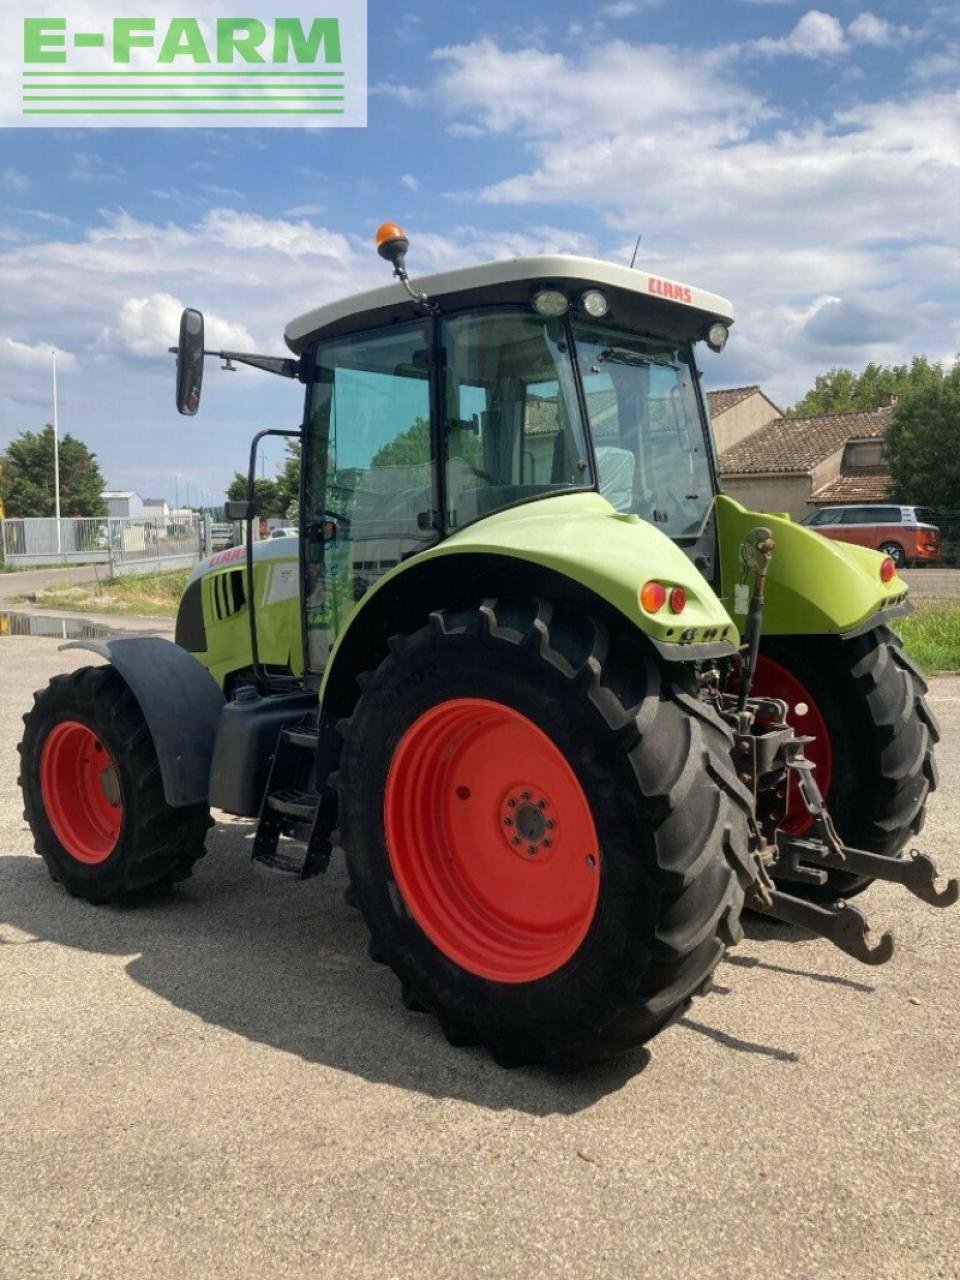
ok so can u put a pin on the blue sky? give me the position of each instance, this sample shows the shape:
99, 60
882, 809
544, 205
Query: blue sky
805, 162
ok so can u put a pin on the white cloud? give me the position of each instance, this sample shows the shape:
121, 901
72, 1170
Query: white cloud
305, 211
33, 355
406, 94
148, 326
866, 28
410, 182
816, 35
13, 180
625, 8
89, 166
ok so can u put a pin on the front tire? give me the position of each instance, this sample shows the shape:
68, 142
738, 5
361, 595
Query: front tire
557, 944
93, 795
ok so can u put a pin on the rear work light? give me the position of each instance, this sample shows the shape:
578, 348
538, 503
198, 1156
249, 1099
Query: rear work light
653, 596
888, 570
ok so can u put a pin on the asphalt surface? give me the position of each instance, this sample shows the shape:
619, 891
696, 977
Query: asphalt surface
222, 1084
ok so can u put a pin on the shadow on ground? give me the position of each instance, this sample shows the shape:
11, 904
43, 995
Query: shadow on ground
285, 964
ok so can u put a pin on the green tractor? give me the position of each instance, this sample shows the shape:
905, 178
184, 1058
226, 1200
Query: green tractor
565, 708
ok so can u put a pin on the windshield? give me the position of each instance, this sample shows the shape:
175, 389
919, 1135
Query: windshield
648, 435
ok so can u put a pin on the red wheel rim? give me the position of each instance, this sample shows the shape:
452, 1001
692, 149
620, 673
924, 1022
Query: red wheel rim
805, 717
491, 840
80, 788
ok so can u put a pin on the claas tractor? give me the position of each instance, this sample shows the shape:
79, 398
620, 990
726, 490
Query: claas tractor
564, 708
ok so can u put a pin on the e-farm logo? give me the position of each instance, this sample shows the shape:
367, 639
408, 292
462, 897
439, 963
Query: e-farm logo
130, 68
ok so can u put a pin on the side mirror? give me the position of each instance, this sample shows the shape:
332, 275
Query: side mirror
190, 362
234, 511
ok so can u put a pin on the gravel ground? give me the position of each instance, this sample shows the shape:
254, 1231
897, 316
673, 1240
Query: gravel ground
221, 1084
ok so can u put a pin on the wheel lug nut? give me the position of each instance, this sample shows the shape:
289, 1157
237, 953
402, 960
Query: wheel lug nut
515, 840
511, 803
541, 804
531, 848
508, 822
550, 824
524, 795
546, 843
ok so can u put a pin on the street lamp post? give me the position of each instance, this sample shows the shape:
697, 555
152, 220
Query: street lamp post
56, 455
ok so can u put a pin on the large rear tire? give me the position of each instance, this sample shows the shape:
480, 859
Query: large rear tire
877, 766
543, 831
93, 794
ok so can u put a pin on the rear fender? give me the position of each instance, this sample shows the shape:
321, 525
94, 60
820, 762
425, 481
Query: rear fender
574, 548
180, 702
815, 585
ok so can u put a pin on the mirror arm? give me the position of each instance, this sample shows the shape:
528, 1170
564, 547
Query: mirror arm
271, 364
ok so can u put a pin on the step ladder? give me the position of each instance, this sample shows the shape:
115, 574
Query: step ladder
295, 806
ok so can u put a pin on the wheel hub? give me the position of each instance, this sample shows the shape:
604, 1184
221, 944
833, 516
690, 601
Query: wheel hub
529, 821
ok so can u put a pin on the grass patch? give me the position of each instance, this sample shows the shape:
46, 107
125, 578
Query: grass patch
932, 635
148, 594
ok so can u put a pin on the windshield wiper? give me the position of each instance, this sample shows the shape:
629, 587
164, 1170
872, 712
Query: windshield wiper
623, 355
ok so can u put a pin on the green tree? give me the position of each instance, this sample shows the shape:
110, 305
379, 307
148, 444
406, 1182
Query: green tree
266, 494
923, 443
27, 477
843, 391
414, 446
288, 481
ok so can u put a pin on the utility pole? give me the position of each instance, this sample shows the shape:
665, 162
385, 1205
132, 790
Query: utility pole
176, 491
56, 454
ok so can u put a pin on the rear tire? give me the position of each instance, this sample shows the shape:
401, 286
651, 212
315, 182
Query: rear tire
93, 795
895, 552
671, 819
882, 735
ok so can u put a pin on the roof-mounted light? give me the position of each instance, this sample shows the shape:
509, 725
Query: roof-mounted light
717, 336
551, 303
594, 303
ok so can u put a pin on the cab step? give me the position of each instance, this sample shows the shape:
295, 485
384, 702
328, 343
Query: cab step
293, 808
302, 806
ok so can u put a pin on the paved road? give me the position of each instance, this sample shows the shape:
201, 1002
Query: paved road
222, 1085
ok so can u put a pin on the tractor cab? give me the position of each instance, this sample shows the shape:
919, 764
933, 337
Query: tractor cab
496, 386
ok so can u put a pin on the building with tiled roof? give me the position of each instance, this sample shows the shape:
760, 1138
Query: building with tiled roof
791, 464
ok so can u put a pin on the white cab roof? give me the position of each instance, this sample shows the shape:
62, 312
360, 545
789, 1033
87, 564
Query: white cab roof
391, 301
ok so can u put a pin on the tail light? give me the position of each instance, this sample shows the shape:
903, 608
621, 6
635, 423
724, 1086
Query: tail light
678, 600
888, 570
653, 596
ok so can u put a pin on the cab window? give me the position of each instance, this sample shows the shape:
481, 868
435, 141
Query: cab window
512, 429
368, 476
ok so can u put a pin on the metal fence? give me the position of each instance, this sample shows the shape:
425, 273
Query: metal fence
128, 545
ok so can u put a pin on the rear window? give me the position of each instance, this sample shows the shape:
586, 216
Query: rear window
926, 515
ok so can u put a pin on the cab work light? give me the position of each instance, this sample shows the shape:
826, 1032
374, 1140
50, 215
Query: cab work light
551, 303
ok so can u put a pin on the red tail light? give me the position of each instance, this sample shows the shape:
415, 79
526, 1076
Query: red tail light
888, 570
678, 600
653, 596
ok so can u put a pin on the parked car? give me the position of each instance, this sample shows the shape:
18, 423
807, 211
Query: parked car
908, 535
284, 533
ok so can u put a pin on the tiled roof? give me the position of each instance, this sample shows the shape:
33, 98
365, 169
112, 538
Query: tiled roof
874, 487
794, 446
724, 399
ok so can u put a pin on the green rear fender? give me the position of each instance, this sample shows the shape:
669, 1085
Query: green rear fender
815, 586
583, 538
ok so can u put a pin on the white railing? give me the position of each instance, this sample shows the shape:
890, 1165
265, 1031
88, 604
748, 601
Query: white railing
127, 545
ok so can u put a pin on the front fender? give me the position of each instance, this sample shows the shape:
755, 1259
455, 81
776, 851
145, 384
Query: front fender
815, 586
180, 702
581, 537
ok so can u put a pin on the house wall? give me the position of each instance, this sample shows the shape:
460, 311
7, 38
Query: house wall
775, 494
742, 420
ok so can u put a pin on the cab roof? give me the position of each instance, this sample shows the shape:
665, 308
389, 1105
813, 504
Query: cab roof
639, 299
